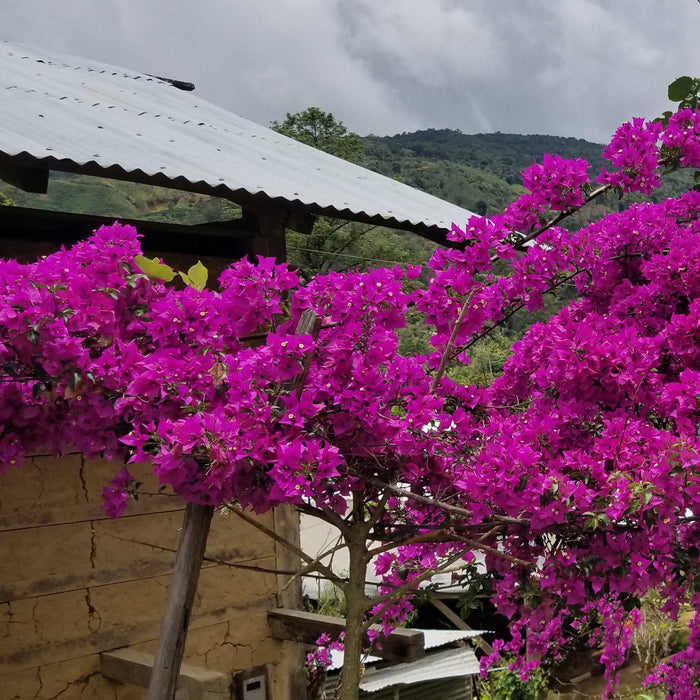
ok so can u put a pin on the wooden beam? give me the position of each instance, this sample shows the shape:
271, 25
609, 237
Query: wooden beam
460, 624
229, 239
28, 179
304, 627
180, 601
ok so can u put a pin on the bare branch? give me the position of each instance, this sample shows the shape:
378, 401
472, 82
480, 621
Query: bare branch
317, 565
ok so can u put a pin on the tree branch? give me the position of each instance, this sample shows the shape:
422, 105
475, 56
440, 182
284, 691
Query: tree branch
321, 568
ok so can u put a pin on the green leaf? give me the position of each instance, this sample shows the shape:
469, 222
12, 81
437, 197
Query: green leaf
154, 268
198, 275
680, 88
591, 523
664, 118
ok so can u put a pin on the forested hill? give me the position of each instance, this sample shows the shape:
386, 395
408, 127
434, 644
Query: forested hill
505, 155
477, 171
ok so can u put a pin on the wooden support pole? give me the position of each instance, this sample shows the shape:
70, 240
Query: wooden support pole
269, 237
179, 601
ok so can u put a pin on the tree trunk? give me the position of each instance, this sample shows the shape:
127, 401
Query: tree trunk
179, 601
356, 603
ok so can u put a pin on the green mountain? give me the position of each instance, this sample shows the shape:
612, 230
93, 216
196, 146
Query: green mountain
482, 172
469, 165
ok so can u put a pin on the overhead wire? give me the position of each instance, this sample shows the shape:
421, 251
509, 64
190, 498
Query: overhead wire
348, 255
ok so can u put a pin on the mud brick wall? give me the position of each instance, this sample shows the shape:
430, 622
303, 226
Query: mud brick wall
74, 583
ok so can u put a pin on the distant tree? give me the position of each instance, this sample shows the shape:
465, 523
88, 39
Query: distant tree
322, 130
336, 244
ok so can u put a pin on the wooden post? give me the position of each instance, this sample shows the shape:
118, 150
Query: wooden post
269, 238
179, 601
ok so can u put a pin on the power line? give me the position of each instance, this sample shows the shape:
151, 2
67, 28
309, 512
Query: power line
356, 257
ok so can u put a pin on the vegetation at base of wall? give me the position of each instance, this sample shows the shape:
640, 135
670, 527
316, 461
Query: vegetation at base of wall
331, 602
507, 685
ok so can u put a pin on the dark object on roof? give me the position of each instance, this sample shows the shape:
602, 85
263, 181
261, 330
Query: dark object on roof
179, 84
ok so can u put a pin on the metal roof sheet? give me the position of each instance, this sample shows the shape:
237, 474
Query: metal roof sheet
439, 638
443, 664
433, 640
68, 113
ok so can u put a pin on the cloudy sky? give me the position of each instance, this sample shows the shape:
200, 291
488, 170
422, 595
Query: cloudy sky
565, 67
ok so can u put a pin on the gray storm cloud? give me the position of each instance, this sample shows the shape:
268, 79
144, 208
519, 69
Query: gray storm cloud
569, 67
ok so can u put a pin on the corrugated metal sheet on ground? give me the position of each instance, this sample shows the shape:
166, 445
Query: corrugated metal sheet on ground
451, 663
70, 109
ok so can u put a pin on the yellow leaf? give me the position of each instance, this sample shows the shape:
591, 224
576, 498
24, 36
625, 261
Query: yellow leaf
154, 268
198, 275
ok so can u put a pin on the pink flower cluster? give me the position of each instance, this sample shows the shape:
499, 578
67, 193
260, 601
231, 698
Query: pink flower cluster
320, 659
577, 473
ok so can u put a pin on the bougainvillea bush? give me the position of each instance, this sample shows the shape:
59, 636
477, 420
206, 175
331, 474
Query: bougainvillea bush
575, 474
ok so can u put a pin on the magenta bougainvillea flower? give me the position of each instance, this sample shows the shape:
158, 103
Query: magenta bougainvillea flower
575, 474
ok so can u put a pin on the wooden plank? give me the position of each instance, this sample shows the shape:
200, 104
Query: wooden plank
304, 627
133, 667
460, 624
227, 239
28, 179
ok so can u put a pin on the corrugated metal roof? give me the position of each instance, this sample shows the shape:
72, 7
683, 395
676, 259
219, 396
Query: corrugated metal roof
443, 664
72, 114
459, 688
433, 640
439, 638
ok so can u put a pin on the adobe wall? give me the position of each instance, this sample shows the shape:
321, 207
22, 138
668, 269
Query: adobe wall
75, 583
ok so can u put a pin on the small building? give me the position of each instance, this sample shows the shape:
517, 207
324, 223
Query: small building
81, 595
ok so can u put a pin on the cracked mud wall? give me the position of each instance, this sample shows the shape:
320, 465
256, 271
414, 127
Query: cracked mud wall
75, 583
